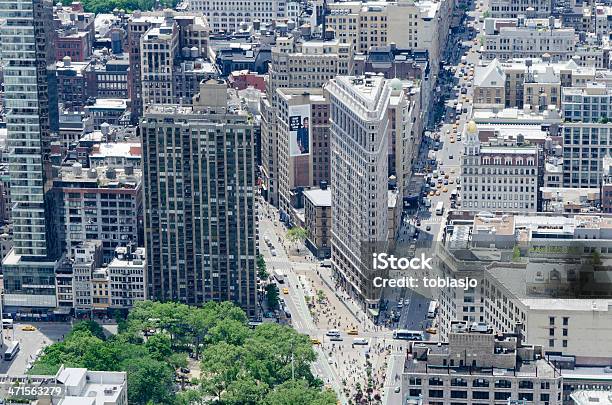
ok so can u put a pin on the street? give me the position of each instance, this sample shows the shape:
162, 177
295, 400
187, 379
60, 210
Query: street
310, 293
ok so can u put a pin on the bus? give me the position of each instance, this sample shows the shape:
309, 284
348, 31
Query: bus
440, 208
279, 276
458, 108
433, 308
404, 334
11, 351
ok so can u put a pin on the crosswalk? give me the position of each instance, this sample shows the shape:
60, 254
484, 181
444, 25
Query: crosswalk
433, 220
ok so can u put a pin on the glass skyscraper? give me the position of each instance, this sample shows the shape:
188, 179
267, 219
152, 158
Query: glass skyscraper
26, 36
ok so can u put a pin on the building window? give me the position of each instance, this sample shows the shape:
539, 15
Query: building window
551, 320
436, 393
458, 394
551, 342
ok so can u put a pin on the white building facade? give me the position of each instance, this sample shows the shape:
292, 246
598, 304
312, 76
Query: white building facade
359, 164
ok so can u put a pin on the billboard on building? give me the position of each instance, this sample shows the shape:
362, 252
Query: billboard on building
299, 130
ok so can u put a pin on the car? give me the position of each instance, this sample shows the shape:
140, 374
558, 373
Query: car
185, 370
437, 192
445, 190
428, 228
431, 331
333, 332
451, 157
448, 131
400, 305
452, 140
401, 301
397, 389
315, 341
438, 186
458, 137
418, 223
360, 341
285, 290
352, 332
273, 252
28, 328
453, 171
330, 360
432, 193
445, 182
446, 175
451, 181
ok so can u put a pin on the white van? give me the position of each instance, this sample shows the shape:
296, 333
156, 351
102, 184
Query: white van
360, 341
333, 332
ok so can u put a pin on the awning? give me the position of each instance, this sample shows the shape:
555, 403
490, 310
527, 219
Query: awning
373, 312
62, 311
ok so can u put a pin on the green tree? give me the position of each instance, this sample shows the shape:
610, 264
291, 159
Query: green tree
320, 295
222, 364
245, 391
269, 352
272, 295
159, 346
297, 234
262, 271
298, 392
516, 254
149, 380
91, 326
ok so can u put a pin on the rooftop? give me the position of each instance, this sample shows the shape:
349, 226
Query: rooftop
116, 149
99, 177
109, 103
318, 197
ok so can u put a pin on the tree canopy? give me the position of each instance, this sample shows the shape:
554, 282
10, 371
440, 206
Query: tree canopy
107, 6
297, 234
239, 365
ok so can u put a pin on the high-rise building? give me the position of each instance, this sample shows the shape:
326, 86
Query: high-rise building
359, 166
415, 25
295, 64
228, 15
533, 8
159, 44
199, 179
506, 39
303, 171
103, 203
501, 176
31, 114
587, 134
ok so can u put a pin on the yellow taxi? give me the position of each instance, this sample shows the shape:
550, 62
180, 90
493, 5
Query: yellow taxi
431, 331
315, 341
445, 190
28, 328
285, 290
452, 140
352, 332
439, 185
437, 192
432, 193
